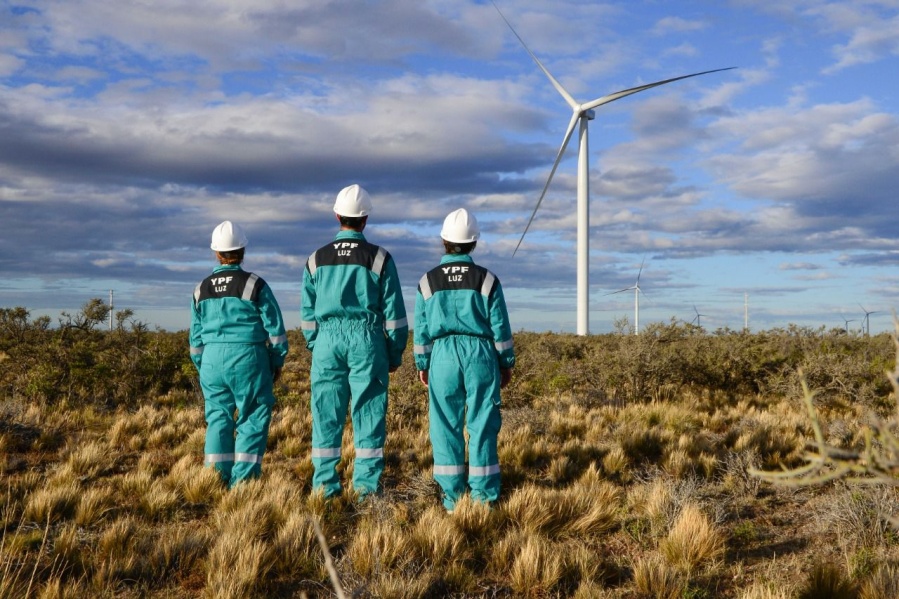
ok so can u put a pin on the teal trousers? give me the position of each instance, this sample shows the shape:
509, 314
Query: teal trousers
236, 379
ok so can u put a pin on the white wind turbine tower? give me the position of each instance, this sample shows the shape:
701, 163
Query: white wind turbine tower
582, 114
637, 292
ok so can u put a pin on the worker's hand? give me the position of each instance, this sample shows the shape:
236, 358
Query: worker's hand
505, 377
276, 374
423, 377
394, 368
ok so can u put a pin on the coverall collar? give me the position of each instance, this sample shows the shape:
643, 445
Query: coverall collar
222, 267
350, 234
456, 258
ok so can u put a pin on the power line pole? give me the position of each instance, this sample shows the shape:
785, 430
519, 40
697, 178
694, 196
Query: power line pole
111, 309
745, 311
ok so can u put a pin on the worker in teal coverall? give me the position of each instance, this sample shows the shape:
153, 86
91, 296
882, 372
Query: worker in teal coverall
354, 321
464, 353
238, 344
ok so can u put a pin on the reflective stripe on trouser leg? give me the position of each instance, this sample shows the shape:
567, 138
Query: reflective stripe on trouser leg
368, 380
446, 417
254, 406
329, 401
483, 422
219, 408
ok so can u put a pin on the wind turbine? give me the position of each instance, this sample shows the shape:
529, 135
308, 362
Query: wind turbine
698, 319
847, 321
637, 292
866, 323
581, 114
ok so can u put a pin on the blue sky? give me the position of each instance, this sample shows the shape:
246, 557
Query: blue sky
130, 129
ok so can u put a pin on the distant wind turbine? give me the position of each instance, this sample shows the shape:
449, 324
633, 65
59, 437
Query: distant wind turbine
698, 318
847, 321
637, 292
866, 323
582, 114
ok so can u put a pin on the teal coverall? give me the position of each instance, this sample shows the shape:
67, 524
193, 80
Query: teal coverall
462, 338
237, 340
354, 321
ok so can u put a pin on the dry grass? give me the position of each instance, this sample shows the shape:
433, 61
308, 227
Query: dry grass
602, 497
693, 543
655, 578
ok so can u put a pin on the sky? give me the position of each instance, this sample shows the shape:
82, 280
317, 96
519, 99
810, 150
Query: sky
766, 193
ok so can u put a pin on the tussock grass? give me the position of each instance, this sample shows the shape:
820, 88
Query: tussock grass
655, 578
159, 501
94, 505
537, 568
50, 504
581, 511
694, 542
826, 580
295, 550
377, 547
236, 567
763, 591
884, 582
436, 540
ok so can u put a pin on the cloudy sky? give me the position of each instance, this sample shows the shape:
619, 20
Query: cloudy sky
129, 129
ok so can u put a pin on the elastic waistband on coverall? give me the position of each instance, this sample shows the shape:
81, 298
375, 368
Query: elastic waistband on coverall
340, 324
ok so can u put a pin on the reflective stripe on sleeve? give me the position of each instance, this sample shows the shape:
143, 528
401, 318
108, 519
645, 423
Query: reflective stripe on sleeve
310, 264
218, 458
249, 287
488, 284
483, 470
196, 351
365, 452
308, 325
449, 470
424, 287
278, 340
197, 293
378, 265
250, 458
326, 452
392, 325
422, 349
503, 345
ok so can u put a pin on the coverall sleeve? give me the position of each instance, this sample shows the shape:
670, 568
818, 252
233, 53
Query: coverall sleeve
274, 326
308, 324
421, 335
396, 324
502, 330
196, 339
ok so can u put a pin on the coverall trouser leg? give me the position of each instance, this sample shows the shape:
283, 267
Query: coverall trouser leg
236, 379
349, 370
463, 390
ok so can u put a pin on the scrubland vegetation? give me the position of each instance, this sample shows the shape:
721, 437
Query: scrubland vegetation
626, 460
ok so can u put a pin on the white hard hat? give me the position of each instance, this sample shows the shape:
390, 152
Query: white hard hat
460, 227
227, 237
352, 201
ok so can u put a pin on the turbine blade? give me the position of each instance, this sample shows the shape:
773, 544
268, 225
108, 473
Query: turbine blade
627, 92
571, 101
639, 272
574, 118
